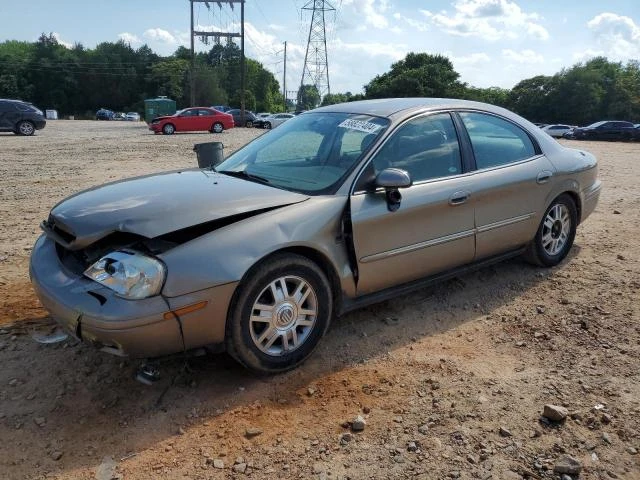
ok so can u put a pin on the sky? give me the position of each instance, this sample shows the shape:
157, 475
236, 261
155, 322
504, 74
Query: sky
490, 42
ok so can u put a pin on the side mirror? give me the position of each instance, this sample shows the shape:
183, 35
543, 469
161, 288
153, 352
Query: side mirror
392, 179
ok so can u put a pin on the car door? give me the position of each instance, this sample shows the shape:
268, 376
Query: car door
510, 184
205, 119
7, 115
432, 229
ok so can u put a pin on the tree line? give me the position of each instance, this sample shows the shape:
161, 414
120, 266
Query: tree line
598, 89
114, 75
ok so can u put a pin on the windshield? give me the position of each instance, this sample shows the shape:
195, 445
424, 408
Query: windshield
311, 153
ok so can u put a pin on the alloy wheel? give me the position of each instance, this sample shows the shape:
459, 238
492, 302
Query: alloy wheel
283, 315
556, 229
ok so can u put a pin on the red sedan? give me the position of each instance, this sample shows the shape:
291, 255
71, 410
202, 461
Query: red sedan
194, 119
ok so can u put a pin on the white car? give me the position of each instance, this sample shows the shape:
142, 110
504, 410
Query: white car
276, 119
132, 117
557, 130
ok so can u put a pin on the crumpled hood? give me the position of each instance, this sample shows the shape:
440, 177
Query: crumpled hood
158, 204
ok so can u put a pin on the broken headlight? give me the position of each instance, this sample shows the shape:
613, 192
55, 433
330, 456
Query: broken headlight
130, 274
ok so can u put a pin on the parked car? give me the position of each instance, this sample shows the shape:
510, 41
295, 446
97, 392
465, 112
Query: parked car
261, 117
19, 117
276, 119
338, 208
557, 130
105, 114
194, 119
133, 117
249, 117
119, 116
605, 130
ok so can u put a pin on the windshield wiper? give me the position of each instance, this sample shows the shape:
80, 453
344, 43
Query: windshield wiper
243, 174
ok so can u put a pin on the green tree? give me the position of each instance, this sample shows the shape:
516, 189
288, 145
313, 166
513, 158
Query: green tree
418, 75
308, 97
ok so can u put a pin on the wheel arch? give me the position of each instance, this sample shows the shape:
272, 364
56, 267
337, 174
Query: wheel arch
576, 200
317, 257
570, 188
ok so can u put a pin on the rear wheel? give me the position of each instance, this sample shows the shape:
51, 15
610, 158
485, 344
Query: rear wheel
217, 128
555, 234
25, 127
249, 124
267, 125
279, 315
168, 129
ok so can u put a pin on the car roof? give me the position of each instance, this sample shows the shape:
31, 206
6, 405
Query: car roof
388, 107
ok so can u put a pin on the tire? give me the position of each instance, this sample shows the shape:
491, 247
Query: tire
279, 290
168, 129
25, 128
217, 128
555, 234
267, 125
249, 124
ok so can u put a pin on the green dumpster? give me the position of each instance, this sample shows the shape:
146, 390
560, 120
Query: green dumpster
158, 107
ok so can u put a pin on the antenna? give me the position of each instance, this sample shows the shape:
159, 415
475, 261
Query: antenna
316, 63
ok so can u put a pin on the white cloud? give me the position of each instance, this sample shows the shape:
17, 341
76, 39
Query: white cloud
372, 11
129, 38
160, 35
277, 28
421, 26
523, 56
56, 35
618, 36
372, 49
488, 19
471, 59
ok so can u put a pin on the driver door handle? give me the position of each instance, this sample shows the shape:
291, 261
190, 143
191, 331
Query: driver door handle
544, 177
459, 198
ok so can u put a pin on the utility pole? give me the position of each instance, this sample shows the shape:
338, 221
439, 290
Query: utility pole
316, 63
242, 122
284, 78
192, 77
204, 36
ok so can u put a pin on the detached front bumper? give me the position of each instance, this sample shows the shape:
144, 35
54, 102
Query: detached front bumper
133, 328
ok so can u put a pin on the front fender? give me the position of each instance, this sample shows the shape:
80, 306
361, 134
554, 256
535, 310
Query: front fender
225, 255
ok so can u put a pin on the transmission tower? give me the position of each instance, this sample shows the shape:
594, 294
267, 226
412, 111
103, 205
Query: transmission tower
316, 64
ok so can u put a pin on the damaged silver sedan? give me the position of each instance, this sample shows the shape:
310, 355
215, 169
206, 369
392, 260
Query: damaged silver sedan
340, 207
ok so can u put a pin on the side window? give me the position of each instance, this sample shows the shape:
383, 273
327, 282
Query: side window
426, 147
496, 141
205, 113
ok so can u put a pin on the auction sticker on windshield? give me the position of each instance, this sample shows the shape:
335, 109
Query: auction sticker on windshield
367, 127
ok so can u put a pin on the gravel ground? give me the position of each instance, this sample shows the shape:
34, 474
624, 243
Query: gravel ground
450, 381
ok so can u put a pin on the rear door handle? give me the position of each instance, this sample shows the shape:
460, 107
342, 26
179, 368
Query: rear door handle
544, 177
459, 198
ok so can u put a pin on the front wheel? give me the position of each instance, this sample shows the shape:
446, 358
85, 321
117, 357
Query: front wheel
280, 313
249, 124
217, 128
25, 128
555, 234
168, 129
267, 125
